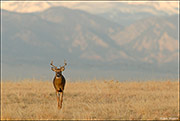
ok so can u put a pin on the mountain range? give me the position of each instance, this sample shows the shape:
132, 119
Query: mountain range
89, 43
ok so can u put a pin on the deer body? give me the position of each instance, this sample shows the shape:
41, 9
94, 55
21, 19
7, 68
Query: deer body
59, 82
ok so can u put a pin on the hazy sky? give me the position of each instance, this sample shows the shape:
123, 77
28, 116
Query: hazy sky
152, 7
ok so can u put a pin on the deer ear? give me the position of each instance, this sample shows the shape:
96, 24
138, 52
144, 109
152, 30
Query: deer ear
53, 69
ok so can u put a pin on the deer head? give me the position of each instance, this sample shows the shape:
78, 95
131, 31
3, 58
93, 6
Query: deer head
58, 70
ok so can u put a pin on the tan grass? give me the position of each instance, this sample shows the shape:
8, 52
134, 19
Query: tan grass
90, 100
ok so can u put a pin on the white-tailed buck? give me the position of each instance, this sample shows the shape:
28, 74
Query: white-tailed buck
59, 82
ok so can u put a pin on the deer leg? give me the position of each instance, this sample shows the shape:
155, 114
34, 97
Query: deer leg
58, 96
61, 99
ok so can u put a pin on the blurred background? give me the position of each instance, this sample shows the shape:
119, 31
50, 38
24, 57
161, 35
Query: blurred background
99, 40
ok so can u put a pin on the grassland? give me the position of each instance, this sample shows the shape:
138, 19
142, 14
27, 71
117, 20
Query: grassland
90, 100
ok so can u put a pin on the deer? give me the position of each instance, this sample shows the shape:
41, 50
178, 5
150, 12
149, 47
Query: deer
59, 82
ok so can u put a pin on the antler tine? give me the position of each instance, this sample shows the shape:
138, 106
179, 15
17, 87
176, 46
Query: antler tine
52, 64
64, 63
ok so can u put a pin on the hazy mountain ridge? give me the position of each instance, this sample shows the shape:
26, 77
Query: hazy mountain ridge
152, 39
89, 41
70, 35
88, 32
124, 13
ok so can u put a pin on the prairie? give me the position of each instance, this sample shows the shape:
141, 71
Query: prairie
31, 99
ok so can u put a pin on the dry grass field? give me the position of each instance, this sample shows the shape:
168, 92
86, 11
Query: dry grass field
90, 100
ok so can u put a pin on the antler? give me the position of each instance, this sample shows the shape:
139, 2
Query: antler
64, 63
53, 65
